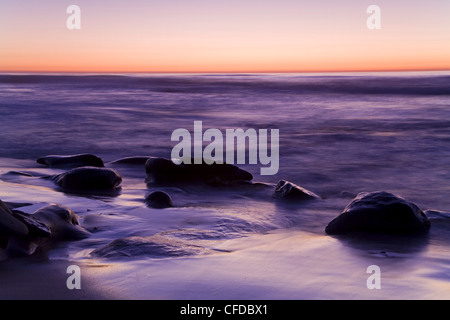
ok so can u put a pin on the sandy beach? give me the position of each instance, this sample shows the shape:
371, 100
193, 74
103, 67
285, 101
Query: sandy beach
309, 267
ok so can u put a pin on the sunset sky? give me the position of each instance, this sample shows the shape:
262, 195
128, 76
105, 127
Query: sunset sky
224, 36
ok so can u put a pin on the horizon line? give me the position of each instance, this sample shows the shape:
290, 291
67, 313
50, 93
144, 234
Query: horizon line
225, 72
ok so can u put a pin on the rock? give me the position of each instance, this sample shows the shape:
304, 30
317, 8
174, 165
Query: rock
156, 246
71, 161
10, 225
380, 212
36, 228
164, 171
49, 223
290, 191
3, 241
158, 200
62, 222
88, 178
14, 205
160, 170
28, 244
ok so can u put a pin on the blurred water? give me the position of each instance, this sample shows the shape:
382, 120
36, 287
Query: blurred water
337, 132
340, 134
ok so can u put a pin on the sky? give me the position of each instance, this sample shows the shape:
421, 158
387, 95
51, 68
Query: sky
224, 36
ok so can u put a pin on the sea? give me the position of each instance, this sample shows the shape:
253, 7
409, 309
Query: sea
339, 134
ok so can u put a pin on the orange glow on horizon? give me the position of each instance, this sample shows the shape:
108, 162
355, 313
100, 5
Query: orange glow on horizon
232, 37
332, 65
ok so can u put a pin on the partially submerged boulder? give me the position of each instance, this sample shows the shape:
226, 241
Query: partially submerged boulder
71, 161
22, 233
164, 171
62, 222
158, 200
380, 212
38, 234
10, 225
36, 228
290, 191
88, 179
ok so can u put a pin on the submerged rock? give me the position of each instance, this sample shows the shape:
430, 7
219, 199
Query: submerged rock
380, 212
71, 161
158, 200
132, 160
157, 246
88, 178
164, 171
290, 191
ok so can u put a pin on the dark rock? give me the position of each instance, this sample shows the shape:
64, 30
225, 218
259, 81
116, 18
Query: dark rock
36, 238
3, 244
88, 178
164, 171
10, 225
160, 170
290, 191
15, 205
380, 212
71, 161
49, 223
62, 222
159, 200
35, 227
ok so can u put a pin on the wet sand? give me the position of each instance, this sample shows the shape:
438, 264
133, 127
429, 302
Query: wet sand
36, 279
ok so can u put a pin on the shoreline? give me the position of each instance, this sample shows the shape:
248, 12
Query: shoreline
30, 278
286, 264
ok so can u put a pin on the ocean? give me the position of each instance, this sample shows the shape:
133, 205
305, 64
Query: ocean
339, 134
